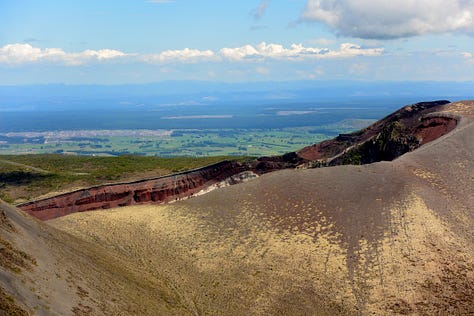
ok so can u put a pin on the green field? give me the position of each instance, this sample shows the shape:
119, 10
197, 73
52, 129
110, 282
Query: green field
195, 143
175, 143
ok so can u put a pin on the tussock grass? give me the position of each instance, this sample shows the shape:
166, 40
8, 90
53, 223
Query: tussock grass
8, 305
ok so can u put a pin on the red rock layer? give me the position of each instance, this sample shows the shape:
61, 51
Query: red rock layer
432, 128
159, 190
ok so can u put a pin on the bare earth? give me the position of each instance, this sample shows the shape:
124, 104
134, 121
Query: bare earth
381, 239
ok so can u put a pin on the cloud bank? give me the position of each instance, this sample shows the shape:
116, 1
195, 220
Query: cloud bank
295, 52
185, 55
17, 54
261, 52
375, 19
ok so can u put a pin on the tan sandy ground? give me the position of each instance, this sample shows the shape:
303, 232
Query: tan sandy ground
252, 268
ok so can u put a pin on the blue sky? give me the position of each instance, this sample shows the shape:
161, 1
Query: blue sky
140, 41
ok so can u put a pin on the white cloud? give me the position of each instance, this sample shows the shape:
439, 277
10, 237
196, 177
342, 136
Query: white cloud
22, 53
25, 53
295, 52
184, 55
391, 19
351, 50
17, 54
101, 54
239, 53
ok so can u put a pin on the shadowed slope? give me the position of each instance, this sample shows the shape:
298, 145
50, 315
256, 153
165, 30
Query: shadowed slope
390, 237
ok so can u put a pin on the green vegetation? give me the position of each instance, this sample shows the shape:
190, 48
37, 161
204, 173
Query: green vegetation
198, 143
352, 157
24, 177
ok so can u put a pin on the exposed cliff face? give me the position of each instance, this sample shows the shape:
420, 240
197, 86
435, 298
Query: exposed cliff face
286, 161
394, 140
387, 139
399, 133
434, 127
158, 190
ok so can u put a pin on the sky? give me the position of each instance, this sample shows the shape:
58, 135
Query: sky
143, 41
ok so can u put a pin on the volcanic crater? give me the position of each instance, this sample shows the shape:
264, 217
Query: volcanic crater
377, 222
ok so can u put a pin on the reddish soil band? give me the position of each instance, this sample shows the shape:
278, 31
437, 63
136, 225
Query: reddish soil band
158, 190
434, 127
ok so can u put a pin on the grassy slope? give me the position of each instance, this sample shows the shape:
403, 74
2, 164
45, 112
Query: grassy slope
24, 177
48, 272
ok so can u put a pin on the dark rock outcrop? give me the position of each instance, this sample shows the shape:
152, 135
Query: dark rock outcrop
398, 133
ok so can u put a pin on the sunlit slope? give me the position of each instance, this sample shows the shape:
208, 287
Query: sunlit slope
390, 237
